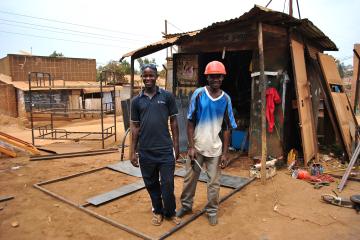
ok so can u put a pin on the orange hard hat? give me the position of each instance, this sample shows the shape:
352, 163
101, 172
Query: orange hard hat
215, 67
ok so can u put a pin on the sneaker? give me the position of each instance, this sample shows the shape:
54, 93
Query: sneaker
213, 220
175, 220
182, 212
156, 219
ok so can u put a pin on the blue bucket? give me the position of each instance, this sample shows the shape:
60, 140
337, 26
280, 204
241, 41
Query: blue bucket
237, 138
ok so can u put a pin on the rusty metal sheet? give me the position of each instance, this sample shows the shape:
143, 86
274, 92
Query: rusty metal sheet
117, 193
308, 137
344, 114
355, 79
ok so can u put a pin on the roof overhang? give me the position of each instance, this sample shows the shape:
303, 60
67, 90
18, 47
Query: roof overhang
256, 14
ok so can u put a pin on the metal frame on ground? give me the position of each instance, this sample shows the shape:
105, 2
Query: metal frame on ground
124, 227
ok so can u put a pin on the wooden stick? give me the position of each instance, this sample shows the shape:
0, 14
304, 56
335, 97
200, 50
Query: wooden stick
263, 104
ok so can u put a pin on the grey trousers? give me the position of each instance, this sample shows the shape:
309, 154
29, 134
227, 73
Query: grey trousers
213, 185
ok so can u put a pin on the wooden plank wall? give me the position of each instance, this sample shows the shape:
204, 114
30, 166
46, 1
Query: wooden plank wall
8, 104
308, 136
343, 111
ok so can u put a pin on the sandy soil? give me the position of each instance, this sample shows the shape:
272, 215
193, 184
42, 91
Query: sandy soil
283, 208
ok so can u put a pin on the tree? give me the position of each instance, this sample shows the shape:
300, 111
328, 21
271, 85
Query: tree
119, 68
56, 54
143, 61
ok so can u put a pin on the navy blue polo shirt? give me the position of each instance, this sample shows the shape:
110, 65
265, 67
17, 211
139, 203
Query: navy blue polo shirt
153, 115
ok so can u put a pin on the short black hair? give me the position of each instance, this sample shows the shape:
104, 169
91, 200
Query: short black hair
149, 65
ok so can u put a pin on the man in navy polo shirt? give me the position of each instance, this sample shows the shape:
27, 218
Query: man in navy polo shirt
150, 111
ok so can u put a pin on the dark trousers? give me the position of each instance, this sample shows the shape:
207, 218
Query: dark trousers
161, 192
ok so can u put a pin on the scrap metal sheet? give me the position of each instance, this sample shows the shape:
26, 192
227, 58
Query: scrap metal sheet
126, 167
117, 193
225, 180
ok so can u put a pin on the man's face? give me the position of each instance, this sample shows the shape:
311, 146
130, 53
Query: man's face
215, 80
149, 77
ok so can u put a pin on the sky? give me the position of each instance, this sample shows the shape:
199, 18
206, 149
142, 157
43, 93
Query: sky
107, 29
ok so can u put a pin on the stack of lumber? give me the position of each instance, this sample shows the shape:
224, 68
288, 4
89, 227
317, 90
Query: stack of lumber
12, 141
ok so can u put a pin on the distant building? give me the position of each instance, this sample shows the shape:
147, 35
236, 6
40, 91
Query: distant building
75, 85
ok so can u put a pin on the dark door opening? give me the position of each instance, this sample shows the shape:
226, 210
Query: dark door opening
237, 82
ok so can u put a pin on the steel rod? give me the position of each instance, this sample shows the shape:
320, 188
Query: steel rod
31, 114
102, 113
114, 103
94, 214
70, 155
198, 214
70, 176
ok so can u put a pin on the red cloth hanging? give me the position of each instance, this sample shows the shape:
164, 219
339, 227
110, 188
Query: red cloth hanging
272, 98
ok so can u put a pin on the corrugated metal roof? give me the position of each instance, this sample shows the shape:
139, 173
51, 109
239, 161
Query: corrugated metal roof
157, 46
257, 13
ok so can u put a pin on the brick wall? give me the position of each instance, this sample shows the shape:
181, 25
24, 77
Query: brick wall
8, 100
5, 66
68, 69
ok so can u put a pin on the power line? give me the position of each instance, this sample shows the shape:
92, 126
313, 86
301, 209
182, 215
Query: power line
70, 30
175, 26
48, 30
61, 39
69, 23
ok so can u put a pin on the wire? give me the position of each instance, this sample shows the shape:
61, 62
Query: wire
268, 3
297, 3
284, 5
48, 30
74, 24
61, 39
65, 29
175, 26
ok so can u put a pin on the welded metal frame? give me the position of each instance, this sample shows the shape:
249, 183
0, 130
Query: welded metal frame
108, 220
41, 80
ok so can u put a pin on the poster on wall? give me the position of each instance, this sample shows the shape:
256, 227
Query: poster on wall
187, 70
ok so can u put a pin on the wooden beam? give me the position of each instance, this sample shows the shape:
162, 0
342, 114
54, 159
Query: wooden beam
263, 104
7, 152
19, 143
274, 29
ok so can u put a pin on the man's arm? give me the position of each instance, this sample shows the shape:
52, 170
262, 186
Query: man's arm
135, 128
175, 134
190, 134
226, 137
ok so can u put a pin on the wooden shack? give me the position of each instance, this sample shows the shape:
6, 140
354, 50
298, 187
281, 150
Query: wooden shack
261, 49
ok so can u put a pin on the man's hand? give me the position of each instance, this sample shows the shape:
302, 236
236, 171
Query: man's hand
192, 153
223, 161
134, 160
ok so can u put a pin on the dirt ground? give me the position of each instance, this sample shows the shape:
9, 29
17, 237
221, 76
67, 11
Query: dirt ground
283, 208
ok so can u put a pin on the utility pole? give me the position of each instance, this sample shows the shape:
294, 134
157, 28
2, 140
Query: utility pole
290, 8
167, 51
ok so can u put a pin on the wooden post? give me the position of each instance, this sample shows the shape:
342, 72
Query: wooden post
132, 72
167, 49
290, 8
263, 104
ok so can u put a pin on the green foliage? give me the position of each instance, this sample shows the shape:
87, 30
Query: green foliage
143, 61
56, 54
162, 73
119, 68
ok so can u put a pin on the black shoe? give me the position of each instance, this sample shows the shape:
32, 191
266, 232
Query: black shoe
213, 220
182, 212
